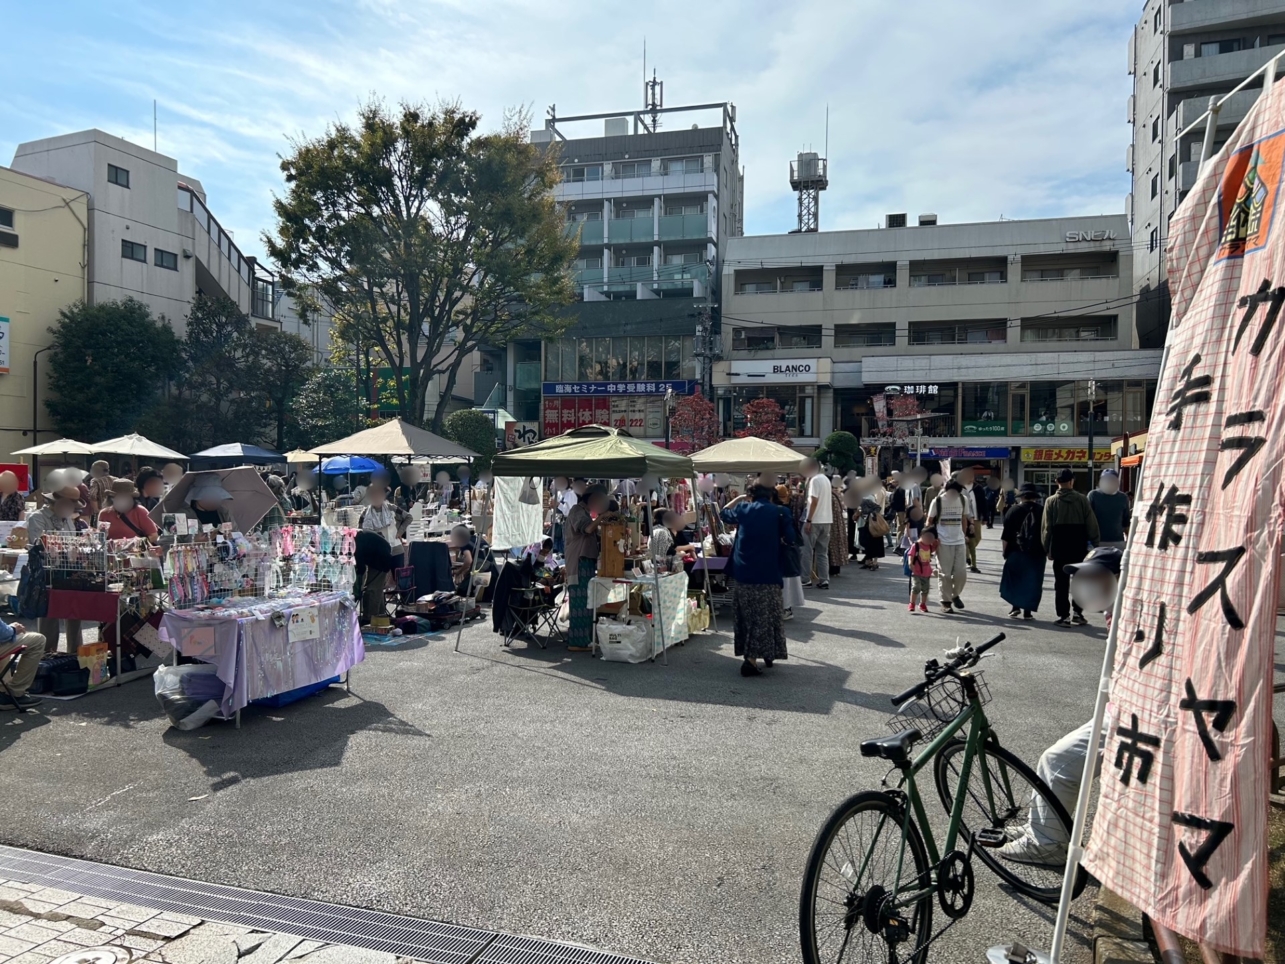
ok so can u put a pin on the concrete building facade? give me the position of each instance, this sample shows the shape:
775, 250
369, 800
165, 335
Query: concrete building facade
654, 199
1180, 55
44, 231
992, 331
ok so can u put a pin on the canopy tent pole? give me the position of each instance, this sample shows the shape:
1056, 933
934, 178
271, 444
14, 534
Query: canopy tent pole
473, 569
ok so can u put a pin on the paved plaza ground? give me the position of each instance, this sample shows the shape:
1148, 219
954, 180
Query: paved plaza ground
664, 812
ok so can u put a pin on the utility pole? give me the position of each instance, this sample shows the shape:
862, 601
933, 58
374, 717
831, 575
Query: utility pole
1093, 394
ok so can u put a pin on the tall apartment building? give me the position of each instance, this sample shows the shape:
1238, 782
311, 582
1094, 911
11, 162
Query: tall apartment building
993, 331
43, 247
1181, 55
653, 199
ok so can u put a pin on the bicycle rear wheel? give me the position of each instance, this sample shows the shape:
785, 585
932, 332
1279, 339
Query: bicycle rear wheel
1014, 791
851, 875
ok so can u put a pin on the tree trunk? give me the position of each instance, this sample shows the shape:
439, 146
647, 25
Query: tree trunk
440, 414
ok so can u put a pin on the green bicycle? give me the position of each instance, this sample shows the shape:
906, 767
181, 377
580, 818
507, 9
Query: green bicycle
875, 869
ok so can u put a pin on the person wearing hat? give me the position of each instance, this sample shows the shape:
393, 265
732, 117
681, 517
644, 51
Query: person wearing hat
63, 502
1022, 583
125, 518
1111, 506
207, 501
12, 506
100, 486
583, 547
1068, 529
151, 487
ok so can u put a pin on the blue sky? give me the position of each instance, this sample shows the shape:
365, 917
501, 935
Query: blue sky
971, 109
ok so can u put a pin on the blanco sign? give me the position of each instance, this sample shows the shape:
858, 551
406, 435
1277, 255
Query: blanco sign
766, 372
1073, 236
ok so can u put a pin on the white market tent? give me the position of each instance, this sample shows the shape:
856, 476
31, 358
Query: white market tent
750, 454
136, 445
63, 446
396, 437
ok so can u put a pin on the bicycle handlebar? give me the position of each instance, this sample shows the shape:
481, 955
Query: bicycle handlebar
969, 657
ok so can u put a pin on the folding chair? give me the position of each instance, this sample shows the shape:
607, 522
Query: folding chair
402, 592
533, 613
10, 668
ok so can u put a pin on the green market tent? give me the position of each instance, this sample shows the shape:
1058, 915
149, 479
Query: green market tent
593, 452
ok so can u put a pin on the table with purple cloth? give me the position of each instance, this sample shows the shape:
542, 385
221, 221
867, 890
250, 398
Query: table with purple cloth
265, 647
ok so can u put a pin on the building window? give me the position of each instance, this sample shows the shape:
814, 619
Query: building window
1155, 23
1215, 47
1155, 184
633, 261
798, 406
575, 217
1069, 330
758, 288
165, 259
620, 359
134, 252
689, 257
806, 285
1155, 129
1155, 75
262, 304
6, 218
672, 210
800, 336
117, 175
985, 277
958, 333
588, 172
985, 408
1173, 166
1154, 241
865, 336
682, 165
1275, 39
631, 169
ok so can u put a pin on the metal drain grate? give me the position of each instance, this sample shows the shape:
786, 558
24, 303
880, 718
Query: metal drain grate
425, 940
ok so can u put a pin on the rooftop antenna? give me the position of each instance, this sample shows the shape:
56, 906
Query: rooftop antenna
154, 125
654, 91
808, 178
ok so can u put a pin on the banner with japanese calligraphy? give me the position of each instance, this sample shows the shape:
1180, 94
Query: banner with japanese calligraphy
1181, 817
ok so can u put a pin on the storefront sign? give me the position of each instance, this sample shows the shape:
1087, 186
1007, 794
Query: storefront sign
770, 372
517, 434
984, 427
4, 345
957, 452
919, 388
1030, 456
680, 387
1074, 236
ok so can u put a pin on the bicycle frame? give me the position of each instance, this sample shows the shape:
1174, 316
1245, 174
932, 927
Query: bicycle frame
978, 733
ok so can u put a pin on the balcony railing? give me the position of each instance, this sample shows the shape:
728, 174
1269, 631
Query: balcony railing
590, 231
188, 201
678, 227
626, 230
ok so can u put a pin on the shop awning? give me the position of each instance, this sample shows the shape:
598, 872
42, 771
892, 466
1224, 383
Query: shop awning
593, 452
395, 437
747, 455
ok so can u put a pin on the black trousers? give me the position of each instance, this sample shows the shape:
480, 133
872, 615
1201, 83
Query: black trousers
1062, 600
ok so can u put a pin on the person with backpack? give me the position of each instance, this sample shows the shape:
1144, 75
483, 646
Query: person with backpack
1022, 582
950, 514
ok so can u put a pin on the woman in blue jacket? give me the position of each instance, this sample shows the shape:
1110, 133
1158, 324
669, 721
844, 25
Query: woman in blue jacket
763, 531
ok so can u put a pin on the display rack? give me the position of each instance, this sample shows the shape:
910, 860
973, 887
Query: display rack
309, 559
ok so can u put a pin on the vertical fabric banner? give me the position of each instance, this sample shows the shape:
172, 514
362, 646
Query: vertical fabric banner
4, 346
1181, 818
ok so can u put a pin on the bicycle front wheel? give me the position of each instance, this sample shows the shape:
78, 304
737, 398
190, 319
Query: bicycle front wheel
860, 861
1005, 794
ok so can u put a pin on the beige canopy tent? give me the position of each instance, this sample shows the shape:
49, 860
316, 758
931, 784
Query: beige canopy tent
299, 456
750, 454
64, 446
396, 437
136, 445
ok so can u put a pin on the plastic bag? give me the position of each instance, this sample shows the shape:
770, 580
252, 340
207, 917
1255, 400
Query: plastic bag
625, 642
183, 711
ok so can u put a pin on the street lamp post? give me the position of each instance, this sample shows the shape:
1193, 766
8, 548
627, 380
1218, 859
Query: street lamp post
35, 414
1093, 394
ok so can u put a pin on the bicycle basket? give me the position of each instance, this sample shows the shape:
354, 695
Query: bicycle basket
938, 707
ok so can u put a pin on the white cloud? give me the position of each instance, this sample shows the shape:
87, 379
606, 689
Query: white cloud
970, 110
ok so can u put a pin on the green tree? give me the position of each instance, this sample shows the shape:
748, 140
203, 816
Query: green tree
426, 239
474, 430
107, 367
217, 390
843, 451
279, 366
329, 406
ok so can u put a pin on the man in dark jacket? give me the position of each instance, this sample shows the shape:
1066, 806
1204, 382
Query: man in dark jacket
1068, 528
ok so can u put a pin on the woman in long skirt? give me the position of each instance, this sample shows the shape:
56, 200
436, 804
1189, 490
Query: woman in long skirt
1022, 584
872, 545
763, 533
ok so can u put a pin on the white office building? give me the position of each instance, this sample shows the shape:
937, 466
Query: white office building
993, 331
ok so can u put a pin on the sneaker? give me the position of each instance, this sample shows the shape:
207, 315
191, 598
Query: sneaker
945, 609
959, 603
1014, 612
1027, 850
1027, 614
788, 613
1062, 621
1079, 620
910, 608
923, 607
823, 585
19, 702
974, 569
808, 584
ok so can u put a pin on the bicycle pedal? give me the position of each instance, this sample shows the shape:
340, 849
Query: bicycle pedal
990, 837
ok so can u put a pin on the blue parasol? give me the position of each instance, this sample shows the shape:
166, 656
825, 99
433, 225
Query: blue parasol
349, 465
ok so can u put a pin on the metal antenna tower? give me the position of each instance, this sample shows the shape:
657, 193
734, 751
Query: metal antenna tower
653, 100
808, 179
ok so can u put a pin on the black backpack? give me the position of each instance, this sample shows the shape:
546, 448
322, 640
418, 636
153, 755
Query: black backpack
33, 586
1028, 535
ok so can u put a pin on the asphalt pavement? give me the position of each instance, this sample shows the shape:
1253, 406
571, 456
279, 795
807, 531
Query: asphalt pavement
660, 811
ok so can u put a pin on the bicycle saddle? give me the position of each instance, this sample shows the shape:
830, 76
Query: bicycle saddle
895, 749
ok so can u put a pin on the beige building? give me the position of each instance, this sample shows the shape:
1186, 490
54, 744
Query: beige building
43, 251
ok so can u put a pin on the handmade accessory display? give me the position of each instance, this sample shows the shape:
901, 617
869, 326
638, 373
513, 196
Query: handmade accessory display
311, 559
